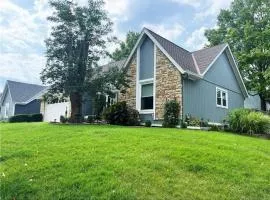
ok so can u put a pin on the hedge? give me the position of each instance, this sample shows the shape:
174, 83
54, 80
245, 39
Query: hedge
248, 121
26, 118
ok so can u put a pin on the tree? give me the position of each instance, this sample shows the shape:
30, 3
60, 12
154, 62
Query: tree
125, 47
246, 28
74, 47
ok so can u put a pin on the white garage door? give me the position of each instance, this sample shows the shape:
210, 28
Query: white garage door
52, 112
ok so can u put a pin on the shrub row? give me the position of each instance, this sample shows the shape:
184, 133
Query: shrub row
248, 121
26, 118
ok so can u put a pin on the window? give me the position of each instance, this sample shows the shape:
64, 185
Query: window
222, 98
6, 109
147, 97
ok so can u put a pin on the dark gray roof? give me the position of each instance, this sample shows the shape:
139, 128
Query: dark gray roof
110, 65
205, 57
179, 54
22, 92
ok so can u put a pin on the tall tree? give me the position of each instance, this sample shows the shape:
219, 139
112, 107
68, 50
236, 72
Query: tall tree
77, 42
125, 46
245, 26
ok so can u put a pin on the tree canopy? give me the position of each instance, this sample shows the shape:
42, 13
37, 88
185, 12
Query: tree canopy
125, 46
77, 41
245, 26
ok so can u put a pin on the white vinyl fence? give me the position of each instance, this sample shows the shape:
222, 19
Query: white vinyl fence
52, 112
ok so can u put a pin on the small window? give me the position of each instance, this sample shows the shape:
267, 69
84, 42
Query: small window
222, 98
147, 97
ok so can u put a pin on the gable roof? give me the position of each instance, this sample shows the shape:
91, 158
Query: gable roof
204, 57
194, 64
179, 54
24, 92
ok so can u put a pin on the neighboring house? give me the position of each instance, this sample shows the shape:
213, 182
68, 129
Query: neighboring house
206, 83
253, 101
20, 98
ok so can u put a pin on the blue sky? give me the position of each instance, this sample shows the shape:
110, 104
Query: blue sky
24, 28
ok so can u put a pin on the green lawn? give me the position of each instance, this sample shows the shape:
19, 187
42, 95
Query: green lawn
42, 161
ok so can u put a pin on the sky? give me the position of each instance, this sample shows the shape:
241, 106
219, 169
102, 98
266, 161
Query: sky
24, 27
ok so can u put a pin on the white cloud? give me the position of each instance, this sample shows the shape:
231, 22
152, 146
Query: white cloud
169, 31
197, 40
26, 68
212, 8
193, 3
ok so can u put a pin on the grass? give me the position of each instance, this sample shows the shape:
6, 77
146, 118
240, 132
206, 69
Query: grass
43, 161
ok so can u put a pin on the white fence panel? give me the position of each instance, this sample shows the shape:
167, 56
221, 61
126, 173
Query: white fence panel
52, 112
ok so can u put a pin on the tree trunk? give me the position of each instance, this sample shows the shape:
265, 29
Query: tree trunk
76, 107
263, 104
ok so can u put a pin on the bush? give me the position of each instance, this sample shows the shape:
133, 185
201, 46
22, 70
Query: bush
121, 114
63, 119
247, 121
171, 114
184, 124
26, 118
90, 119
148, 123
36, 117
214, 128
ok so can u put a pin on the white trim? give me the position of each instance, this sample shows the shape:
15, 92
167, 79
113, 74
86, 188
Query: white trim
154, 82
196, 64
238, 72
212, 63
226, 92
138, 88
165, 52
234, 66
146, 81
148, 111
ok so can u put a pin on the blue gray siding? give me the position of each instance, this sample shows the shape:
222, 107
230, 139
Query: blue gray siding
199, 97
31, 108
147, 59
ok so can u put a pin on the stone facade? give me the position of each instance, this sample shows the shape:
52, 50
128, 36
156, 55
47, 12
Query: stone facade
168, 84
130, 95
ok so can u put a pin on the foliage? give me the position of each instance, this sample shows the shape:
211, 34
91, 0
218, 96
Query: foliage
147, 123
77, 41
194, 121
247, 121
121, 114
171, 114
184, 124
63, 119
246, 28
45, 161
125, 47
214, 128
203, 123
26, 118
90, 119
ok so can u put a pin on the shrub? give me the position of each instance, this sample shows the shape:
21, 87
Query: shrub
63, 119
171, 114
214, 128
203, 123
184, 124
36, 117
26, 118
247, 121
121, 114
90, 119
148, 123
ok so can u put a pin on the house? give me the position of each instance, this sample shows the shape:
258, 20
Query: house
20, 98
206, 83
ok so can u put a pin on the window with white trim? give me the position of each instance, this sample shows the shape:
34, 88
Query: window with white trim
147, 96
221, 98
